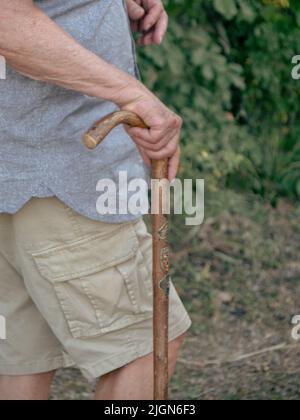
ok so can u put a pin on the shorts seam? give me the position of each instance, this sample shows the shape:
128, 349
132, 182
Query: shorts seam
59, 361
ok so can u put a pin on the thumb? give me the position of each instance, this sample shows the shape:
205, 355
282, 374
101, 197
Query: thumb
135, 11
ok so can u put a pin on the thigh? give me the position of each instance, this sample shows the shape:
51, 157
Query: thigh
27, 345
26, 388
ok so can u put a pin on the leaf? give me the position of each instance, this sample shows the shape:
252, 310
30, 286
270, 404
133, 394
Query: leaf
227, 8
247, 11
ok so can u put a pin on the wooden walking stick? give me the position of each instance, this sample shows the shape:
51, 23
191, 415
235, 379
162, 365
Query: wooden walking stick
161, 279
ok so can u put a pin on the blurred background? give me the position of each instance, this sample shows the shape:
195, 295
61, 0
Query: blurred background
226, 67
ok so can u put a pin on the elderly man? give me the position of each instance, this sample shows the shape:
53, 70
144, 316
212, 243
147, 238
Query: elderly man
75, 285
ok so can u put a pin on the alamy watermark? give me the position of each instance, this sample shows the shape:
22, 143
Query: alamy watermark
131, 197
2, 68
296, 329
2, 327
296, 68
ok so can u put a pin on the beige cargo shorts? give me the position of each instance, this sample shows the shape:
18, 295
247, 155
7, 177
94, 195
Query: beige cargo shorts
76, 292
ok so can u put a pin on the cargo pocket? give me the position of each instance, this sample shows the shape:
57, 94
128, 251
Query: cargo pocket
102, 282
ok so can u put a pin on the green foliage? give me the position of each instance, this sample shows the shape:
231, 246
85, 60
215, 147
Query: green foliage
226, 68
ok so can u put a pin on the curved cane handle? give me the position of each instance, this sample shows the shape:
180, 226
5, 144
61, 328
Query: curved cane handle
103, 127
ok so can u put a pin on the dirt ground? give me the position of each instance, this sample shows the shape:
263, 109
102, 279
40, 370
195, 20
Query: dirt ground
238, 275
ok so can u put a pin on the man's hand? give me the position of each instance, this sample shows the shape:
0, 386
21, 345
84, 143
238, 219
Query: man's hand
162, 139
150, 18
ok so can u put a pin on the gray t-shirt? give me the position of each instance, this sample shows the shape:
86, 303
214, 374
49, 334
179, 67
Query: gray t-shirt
41, 125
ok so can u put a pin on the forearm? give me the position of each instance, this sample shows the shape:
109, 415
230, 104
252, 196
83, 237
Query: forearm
36, 47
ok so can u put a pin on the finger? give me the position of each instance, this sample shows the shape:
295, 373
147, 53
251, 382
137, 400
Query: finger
174, 164
152, 16
168, 142
135, 11
165, 153
143, 139
160, 29
147, 39
168, 152
134, 132
157, 147
151, 136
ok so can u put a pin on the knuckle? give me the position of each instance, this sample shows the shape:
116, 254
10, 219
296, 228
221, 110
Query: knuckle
178, 121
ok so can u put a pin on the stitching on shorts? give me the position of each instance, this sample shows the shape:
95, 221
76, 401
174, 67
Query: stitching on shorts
56, 359
97, 310
130, 289
81, 241
91, 268
74, 222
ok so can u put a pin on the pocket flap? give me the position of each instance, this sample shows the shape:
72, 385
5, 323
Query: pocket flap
88, 255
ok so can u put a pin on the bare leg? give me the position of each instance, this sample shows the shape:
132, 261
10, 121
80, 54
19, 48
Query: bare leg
26, 388
135, 381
